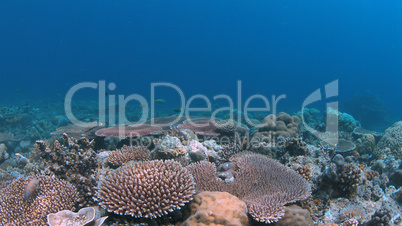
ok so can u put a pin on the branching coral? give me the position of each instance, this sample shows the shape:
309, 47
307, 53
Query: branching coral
27, 201
262, 183
147, 189
72, 160
128, 153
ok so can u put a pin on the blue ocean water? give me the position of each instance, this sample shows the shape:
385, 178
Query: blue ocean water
207, 47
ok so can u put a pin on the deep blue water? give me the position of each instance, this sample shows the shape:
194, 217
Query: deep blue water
205, 47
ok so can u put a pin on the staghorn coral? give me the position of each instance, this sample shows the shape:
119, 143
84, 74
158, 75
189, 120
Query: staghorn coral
48, 196
262, 183
147, 189
129, 131
217, 208
128, 153
72, 160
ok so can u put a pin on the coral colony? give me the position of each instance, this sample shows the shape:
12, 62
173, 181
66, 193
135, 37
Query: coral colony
185, 169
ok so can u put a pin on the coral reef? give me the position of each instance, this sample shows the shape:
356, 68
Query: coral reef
262, 183
391, 142
72, 160
147, 189
128, 153
216, 208
27, 201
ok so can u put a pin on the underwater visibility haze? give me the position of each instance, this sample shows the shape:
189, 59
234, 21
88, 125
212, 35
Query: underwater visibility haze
156, 112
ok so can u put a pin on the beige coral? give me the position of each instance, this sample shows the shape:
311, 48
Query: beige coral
27, 201
217, 208
128, 153
147, 189
295, 216
262, 183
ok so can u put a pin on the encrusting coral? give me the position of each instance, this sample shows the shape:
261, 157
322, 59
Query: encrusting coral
146, 189
262, 183
217, 208
27, 201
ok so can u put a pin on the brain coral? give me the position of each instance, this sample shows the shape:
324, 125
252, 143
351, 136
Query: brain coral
262, 183
282, 125
147, 189
27, 201
391, 142
295, 216
217, 208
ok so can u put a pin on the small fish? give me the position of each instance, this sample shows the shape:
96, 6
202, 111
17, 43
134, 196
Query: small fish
160, 101
31, 188
18, 90
177, 110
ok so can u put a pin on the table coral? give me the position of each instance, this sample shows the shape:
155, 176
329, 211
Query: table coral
262, 183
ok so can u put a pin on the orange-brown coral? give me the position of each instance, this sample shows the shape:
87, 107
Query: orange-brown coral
295, 216
48, 195
370, 174
217, 208
147, 189
128, 153
304, 171
262, 183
